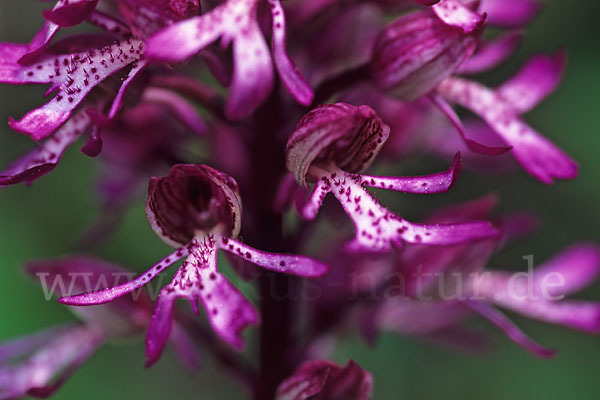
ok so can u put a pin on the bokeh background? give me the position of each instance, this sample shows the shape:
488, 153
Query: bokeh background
46, 219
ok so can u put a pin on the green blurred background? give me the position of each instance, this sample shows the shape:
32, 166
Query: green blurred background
45, 220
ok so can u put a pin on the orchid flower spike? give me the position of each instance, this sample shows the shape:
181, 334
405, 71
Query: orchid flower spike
235, 22
197, 210
332, 144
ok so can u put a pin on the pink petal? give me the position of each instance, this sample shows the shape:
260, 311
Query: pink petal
510, 13
183, 40
536, 154
252, 73
39, 43
455, 13
73, 76
492, 53
579, 265
536, 80
290, 76
284, 263
412, 317
414, 53
111, 293
47, 368
510, 329
109, 24
428, 184
472, 144
25, 345
378, 229
193, 198
179, 107
198, 279
70, 12
343, 134
46, 156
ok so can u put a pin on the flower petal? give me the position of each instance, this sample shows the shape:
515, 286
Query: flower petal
579, 265
39, 43
323, 380
227, 309
73, 76
378, 229
46, 156
340, 133
183, 40
447, 234
28, 344
427, 184
510, 329
537, 79
290, 76
472, 144
193, 198
412, 317
455, 13
492, 53
252, 73
179, 107
70, 12
413, 54
46, 369
111, 293
536, 154
285, 263
510, 13
536, 296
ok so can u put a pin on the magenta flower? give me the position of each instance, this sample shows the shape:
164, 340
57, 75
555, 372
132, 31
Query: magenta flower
444, 285
332, 145
416, 52
235, 22
324, 380
138, 140
198, 210
38, 364
417, 55
501, 110
71, 75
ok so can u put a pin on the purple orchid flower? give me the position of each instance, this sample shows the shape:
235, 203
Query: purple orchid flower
430, 271
418, 51
235, 22
133, 139
198, 210
332, 145
501, 110
324, 380
38, 364
417, 54
72, 76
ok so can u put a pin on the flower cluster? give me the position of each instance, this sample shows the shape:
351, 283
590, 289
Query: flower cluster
295, 106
